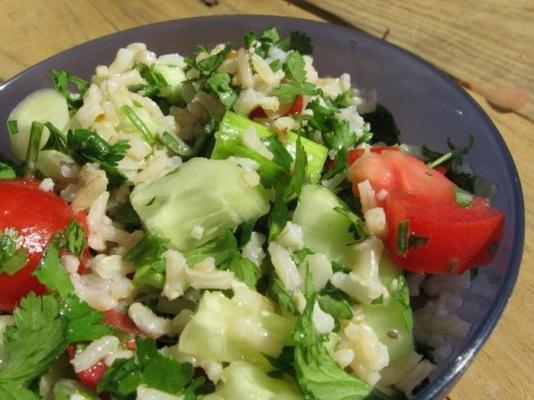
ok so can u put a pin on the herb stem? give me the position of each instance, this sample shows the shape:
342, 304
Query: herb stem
34, 145
440, 160
138, 123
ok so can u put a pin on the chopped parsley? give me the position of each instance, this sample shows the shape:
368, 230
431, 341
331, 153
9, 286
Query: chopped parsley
149, 368
12, 255
62, 80
12, 127
402, 237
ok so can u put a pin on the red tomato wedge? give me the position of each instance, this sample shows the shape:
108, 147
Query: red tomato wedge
354, 154
37, 216
441, 236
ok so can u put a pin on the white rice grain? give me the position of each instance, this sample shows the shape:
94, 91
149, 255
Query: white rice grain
148, 322
176, 281
94, 352
284, 266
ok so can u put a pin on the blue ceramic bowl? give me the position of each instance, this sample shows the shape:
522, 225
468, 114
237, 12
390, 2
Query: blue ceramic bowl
428, 106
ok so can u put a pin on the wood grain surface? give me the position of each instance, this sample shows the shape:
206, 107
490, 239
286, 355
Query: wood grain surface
487, 44
484, 43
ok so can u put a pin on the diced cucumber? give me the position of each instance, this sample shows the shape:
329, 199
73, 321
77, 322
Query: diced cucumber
212, 194
44, 105
174, 76
392, 321
227, 330
244, 381
228, 143
49, 163
325, 230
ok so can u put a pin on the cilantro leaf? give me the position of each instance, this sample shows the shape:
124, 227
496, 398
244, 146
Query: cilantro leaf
10, 391
286, 189
318, 375
279, 295
125, 215
295, 67
61, 80
155, 81
83, 323
34, 341
209, 64
12, 255
243, 269
151, 368
225, 251
51, 272
298, 41
338, 309
287, 92
383, 125
75, 240
88, 146
219, 83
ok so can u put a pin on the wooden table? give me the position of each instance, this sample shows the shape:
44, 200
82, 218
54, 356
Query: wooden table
487, 43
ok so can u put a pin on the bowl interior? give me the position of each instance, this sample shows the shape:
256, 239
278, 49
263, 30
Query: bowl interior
429, 107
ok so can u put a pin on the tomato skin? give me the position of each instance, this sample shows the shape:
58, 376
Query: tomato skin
392, 170
458, 238
37, 216
90, 376
452, 238
297, 106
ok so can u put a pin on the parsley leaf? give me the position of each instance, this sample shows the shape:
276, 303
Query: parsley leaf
13, 392
295, 67
208, 65
383, 126
338, 309
287, 92
151, 369
286, 189
33, 342
225, 251
12, 255
83, 323
147, 256
75, 240
88, 146
219, 83
51, 272
298, 41
318, 375
61, 80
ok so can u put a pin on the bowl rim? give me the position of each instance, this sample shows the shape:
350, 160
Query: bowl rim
455, 368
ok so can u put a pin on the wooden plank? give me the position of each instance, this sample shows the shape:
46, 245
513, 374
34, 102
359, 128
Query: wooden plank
503, 368
489, 44
33, 30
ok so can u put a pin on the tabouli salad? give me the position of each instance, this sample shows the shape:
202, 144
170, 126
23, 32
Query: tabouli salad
228, 225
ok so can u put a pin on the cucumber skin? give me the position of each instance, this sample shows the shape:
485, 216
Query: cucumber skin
233, 125
43, 105
209, 193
